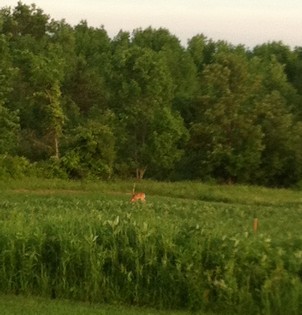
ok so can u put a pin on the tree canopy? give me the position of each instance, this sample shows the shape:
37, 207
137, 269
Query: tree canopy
76, 103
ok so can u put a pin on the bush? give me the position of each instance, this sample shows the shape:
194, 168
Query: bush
14, 167
51, 168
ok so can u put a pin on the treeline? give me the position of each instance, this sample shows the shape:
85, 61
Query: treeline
76, 103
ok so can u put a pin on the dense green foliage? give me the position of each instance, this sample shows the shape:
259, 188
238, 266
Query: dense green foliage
77, 104
191, 246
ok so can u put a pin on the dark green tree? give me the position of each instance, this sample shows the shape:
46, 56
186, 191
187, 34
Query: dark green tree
179, 63
225, 141
9, 119
143, 93
87, 82
90, 148
24, 20
9, 131
275, 112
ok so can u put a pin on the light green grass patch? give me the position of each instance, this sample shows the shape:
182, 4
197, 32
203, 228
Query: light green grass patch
17, 305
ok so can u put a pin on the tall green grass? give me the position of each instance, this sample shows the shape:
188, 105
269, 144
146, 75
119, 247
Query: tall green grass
86, 242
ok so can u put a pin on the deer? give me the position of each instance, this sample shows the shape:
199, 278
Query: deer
137, 196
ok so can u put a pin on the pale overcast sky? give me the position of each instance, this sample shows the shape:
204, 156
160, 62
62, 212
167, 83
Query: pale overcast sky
248, 22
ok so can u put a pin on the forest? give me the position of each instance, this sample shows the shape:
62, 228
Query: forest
75, 103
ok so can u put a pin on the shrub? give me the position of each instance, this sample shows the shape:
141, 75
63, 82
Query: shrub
14, 167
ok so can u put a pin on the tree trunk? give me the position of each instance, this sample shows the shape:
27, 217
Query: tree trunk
56, 144
140, 171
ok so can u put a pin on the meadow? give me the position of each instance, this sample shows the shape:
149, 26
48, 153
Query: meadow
190, 247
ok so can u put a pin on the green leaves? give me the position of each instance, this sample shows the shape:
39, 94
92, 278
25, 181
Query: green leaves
91, 150
210, 110
9, 130
225, 129
146, 93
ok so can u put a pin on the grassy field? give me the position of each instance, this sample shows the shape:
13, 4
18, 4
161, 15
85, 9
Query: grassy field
17, 305
191, 247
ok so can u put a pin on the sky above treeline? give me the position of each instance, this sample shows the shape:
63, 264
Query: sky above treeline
247, 22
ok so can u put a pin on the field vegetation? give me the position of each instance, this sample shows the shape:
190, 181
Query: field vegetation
190, 247
30, 305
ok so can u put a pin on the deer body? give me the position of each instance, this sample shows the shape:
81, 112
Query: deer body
138, 196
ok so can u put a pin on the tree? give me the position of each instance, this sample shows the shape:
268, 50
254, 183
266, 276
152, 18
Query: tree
281, 66
202, 51
87, 80
9, 131
278, 158
37, 88
54, 116
167, 142
43, 117
9, 119
90, 148
24, 20
279, 52
178, 61
59, 84
225, 141
275, 109
143, 94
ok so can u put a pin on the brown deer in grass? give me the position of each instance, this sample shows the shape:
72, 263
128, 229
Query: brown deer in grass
137, 196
